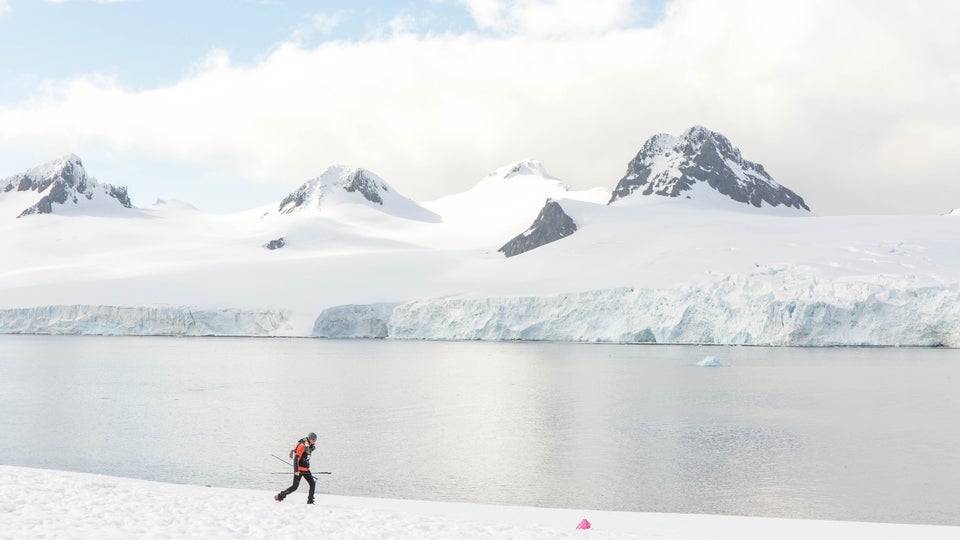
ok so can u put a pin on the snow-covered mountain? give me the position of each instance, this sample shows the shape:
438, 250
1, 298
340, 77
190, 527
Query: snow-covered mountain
502, 193
513, 188
671, 166
60, 185
504, 202
645, 268
701, 168
338, 186
700, 164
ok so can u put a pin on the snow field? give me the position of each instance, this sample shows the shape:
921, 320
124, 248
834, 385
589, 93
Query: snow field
38, 503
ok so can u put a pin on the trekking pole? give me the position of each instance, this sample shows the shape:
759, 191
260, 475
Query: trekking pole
311, 472
283, 460
291, 464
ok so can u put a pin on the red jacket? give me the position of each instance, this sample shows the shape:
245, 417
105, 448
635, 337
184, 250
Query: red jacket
301, 456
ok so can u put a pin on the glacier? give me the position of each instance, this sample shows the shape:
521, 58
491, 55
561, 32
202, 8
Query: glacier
772, 307
354, 321
141, 321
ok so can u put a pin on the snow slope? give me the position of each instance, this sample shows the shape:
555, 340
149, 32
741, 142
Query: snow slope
53, 504
656, 269
501, 205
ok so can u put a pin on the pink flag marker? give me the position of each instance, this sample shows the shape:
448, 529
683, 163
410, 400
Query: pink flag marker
584, 524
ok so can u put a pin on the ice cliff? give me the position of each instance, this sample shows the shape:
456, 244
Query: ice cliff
354, 321
772, 307
141, 321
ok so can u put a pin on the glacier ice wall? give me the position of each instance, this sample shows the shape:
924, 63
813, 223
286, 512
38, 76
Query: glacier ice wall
354, 321
770, 307
773, 308
141, 321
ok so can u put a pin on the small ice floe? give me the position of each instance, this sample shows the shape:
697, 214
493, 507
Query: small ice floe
711, 361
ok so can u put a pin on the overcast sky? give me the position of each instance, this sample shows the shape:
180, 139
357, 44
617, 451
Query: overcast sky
230, 104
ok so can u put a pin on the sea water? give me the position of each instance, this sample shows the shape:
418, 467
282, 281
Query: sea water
836, 433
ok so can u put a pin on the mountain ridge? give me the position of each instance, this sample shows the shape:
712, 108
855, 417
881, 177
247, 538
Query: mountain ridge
63, 181
667, 166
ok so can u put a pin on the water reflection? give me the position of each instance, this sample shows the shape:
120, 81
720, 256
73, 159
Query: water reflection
865, 434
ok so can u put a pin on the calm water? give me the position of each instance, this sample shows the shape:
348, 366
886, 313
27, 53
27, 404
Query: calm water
851, 434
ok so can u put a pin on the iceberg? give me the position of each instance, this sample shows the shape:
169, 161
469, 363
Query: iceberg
710, 361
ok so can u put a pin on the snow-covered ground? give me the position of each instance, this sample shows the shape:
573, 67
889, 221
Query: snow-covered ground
703, 269
38, 503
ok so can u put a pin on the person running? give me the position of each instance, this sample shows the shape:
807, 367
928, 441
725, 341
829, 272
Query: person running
301, 467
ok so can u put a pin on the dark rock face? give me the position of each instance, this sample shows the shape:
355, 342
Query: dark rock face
668, 166
297, 199
276, 244
551, 225
61, 182
120, 194
368, 187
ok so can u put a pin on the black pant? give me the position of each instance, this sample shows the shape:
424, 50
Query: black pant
296, 484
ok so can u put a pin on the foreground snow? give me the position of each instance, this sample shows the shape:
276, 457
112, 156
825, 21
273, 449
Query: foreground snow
40, 504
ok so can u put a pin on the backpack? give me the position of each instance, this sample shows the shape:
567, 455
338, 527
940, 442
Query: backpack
293, 452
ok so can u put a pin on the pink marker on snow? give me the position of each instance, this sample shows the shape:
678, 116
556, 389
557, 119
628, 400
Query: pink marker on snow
584, 525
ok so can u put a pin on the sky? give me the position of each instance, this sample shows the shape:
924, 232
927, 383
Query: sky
232, 104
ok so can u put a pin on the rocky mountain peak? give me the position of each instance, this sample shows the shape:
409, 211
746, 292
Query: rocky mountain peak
517, 169
63, 182
527, 167
550, 225
671, 166
336, 180
340, 185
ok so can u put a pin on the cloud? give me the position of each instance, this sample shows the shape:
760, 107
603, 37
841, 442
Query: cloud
4, 7
851, 104
550, 17
326, 22
402, 23
319, 24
